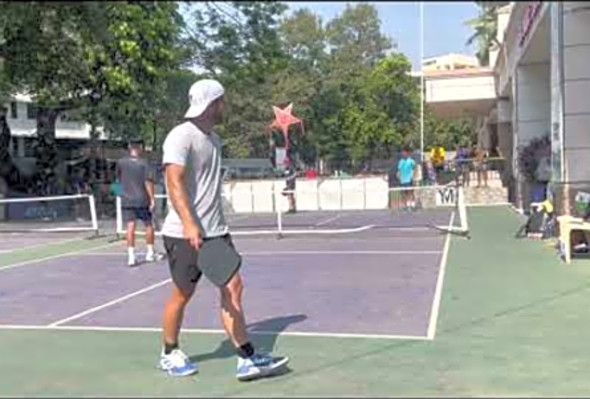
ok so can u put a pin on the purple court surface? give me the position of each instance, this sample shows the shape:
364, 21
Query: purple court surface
17, 241
374, 285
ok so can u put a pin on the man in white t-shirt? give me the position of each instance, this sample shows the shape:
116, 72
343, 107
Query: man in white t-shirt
192, 162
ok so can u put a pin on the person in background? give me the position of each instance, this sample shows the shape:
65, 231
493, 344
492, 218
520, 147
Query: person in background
480, 165
543, 176
405, 173
437, 157
290, 176
391, 183
137, 199
462, 162
3, 194
430, 172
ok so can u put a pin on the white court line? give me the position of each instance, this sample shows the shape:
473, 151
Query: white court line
106, 305
213, 331
488, 205
235, 219
409, 228
62, 255
45, 244
328, 220
310, 231
272, 253
439, 284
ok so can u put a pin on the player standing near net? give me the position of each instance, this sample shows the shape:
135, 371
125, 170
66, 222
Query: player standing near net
290, 178
405, 174
197, 238
137, 199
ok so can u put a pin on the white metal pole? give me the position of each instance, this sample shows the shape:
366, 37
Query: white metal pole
93, 214
119, 216
421, 81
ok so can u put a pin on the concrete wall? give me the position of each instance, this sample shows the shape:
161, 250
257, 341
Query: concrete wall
576, 105
576, 62
533, 99
531, 116
459, 89
320, 194
264, 196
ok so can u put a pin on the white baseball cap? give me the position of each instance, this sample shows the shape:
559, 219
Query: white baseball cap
201, 94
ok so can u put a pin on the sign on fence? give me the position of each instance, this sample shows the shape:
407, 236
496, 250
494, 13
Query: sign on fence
446, 196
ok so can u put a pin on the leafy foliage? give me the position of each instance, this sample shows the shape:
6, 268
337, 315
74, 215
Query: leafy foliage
124, 66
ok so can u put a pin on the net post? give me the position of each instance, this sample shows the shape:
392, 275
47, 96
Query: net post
119, 223
364, 193
462, 210
341, 193
279, 223
93, 213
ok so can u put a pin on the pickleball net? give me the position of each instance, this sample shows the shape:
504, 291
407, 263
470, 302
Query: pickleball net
416, 211
50, 214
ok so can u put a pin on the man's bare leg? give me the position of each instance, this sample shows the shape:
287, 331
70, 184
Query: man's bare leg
131, 242
411, 198
174, 314
232, 316
232, 312
150, 240
173, 360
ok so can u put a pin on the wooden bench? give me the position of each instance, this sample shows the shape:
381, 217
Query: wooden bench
567, 224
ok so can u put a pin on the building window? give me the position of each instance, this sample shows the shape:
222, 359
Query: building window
31, 111
13, 110
72, 115
29, 149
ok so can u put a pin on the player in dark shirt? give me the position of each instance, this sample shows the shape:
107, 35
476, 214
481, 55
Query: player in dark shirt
289, 191
137, 198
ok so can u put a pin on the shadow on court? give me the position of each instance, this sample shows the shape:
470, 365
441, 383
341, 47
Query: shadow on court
264, 335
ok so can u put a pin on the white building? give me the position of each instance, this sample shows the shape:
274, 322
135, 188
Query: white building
450, 62
71, 133
21, 119
457, 86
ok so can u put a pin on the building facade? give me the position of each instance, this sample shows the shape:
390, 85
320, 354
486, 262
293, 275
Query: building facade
542, 82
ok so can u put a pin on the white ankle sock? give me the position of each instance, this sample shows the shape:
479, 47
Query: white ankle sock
131, 252
150, 249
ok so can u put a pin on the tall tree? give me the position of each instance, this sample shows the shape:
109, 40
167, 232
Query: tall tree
80, 54
449, 132
485, 27
303, 38
355, 36
238, 43
383, 112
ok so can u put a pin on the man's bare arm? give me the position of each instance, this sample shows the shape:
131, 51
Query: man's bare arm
150, 188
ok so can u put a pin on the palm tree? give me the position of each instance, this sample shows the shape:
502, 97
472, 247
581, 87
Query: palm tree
486, 29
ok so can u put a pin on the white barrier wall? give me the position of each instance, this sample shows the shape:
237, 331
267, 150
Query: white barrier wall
320, 194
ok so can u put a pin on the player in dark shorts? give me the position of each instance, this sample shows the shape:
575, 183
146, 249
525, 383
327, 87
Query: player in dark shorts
197, 237
290, 180
137, 199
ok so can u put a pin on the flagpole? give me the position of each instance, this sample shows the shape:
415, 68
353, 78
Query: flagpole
421, 81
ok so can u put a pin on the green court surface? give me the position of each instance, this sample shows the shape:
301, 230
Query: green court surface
514, 321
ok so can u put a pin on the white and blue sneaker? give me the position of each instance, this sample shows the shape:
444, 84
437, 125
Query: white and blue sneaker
259, 365
177, 364
154, 257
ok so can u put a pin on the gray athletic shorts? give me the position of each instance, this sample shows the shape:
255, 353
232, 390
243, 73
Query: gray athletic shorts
182, 259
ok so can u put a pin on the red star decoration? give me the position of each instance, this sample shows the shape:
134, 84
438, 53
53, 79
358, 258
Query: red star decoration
284, 119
